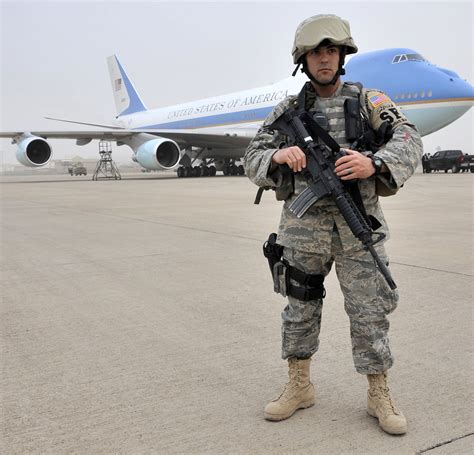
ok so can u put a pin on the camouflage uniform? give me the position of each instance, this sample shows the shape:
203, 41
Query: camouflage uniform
322, 237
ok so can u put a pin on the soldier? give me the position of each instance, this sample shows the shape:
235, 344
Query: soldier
425, 163
312, 243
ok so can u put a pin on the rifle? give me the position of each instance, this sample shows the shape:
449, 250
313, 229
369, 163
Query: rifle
323, 181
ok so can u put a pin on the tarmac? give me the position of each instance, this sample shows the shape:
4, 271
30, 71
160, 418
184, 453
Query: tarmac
138, 317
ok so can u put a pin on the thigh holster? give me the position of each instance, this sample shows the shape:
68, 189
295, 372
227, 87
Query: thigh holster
309, 287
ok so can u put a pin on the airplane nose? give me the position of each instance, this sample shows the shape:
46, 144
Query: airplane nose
452, 96
466, 90
452, 86
458, 88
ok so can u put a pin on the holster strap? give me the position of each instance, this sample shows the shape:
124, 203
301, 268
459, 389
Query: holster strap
312, 285
305, 279
306, 294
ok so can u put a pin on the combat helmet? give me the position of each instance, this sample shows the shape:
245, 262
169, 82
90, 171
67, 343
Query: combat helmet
322, 29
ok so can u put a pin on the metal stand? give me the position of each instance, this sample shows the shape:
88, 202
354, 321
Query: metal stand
106, 166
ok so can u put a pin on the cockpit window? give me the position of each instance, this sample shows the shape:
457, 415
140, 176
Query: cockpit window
416, 57
408, 57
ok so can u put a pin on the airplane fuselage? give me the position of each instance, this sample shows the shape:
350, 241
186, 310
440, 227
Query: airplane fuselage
429, 96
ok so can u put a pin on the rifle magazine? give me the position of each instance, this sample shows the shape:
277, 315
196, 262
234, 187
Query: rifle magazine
303, 202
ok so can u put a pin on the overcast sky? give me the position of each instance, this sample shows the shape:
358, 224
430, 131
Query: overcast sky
53, 54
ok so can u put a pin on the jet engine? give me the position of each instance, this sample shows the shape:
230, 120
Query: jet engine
33, 151
159, 153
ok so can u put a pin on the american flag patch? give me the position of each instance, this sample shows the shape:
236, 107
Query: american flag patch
378, 99
118, 84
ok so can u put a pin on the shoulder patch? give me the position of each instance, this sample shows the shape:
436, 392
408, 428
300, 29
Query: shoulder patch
378, 99
382, 109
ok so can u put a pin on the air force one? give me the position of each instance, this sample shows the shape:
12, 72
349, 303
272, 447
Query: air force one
215, 132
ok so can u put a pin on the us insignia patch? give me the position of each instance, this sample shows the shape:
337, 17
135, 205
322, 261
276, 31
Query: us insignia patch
376, 100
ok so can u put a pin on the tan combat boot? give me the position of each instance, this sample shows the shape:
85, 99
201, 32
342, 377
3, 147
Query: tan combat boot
380, 404
298, 392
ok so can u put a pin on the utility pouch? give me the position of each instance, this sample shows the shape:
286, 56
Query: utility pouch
280, 277
352, 119
287, 184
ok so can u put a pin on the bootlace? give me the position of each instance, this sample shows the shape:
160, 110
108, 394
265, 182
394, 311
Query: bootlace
287, 391
381, 390
387, 398
292, 384
383, 394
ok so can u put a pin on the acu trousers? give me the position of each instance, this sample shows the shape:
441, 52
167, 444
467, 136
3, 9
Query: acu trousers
368, 301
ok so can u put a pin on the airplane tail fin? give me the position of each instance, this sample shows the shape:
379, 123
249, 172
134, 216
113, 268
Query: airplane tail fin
127, 100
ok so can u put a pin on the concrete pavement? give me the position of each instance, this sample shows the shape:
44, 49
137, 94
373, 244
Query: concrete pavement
138, 316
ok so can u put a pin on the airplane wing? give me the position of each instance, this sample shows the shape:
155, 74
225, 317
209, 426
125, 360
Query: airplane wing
222, 138
231, 138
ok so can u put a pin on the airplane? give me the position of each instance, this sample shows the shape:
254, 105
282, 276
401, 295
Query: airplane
216, 131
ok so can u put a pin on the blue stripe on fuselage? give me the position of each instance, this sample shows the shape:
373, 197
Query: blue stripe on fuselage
250, 115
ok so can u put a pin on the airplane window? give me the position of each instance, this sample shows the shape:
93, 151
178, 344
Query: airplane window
415, 95
408, 57
395, 97
402, 96
422, 94
409, 96
416, 57
430, 94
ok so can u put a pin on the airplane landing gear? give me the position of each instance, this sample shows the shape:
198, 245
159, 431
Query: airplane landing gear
208, 168
196, 171
233, 169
